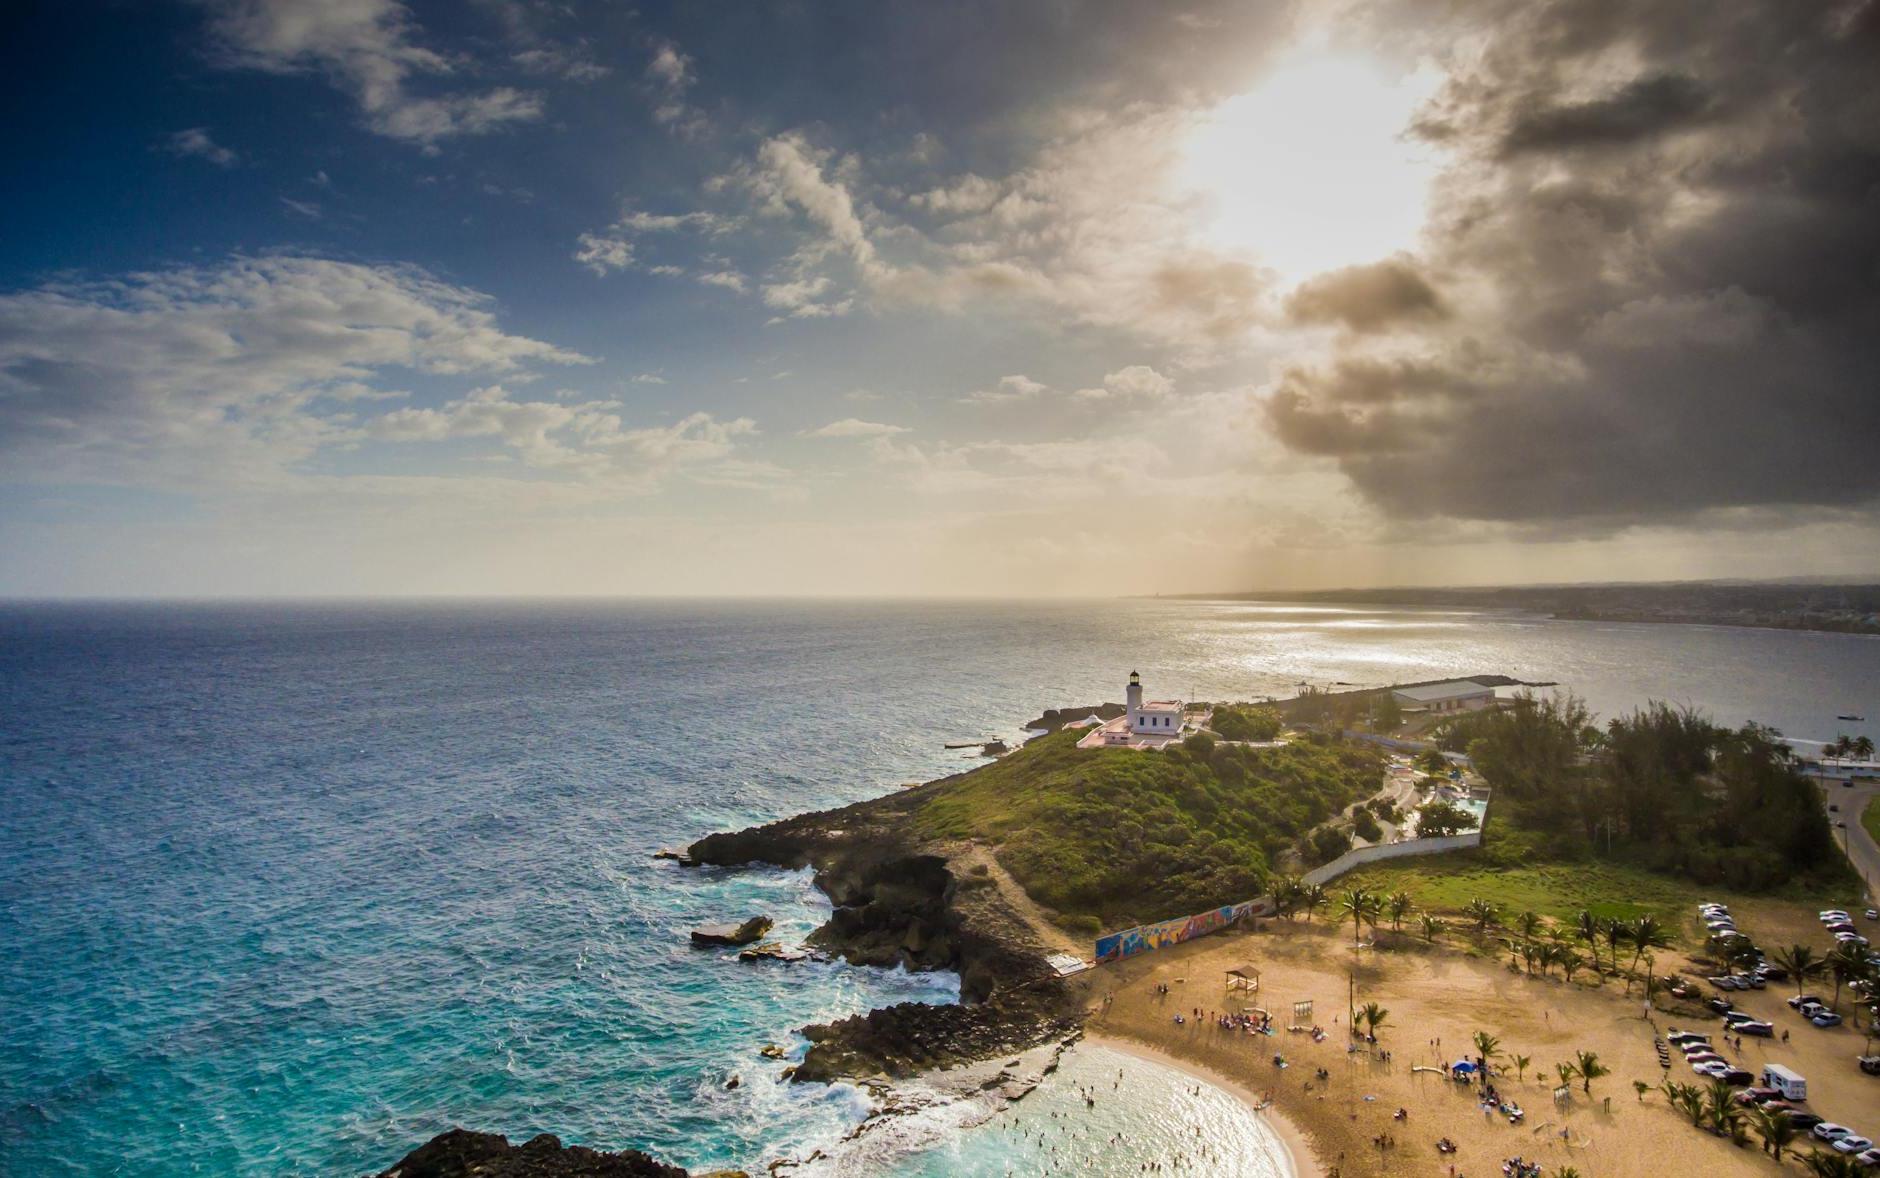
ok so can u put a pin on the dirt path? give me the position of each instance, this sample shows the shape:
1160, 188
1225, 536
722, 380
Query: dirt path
1054, 939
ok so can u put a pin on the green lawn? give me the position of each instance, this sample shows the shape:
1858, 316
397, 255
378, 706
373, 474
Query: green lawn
1870, 818
1446, 884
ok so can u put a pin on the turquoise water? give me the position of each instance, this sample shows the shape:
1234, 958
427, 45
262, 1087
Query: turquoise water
288, 889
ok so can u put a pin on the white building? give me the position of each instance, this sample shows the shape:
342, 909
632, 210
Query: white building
1151, 725
1452, 695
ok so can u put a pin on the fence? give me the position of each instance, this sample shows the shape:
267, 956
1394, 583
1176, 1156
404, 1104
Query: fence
1362, 855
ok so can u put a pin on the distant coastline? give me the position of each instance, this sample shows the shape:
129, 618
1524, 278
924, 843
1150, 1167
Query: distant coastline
1838, 608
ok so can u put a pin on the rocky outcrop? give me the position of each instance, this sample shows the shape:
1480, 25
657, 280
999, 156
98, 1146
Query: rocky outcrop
1057, 718
463, 1154
899, 901
732, 934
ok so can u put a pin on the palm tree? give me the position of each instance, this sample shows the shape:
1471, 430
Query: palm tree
1431, 927
1590, 1069
1315, 897
1846, 962
1615, 931
1832, 1165
1288, 890
1484, 913
1641, 1087
1801, 963
1520, 1063
1355, 903
1570, 962
1566, 1172
1775, 1128
1400, 905
1686, 1098
1862, 748
1720, 1108
1529, 923
1646, 933
1487, 1046
1586, 927
1373, 1016
1565, 1071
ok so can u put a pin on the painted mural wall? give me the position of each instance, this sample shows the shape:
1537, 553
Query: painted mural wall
1145, 937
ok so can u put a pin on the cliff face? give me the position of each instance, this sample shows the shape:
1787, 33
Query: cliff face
901, 900
463, 1154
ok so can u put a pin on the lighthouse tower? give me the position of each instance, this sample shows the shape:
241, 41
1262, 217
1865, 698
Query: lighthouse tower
1133, 696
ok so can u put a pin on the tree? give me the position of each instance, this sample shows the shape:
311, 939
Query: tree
1721, 1112
1329, 842
1615, 936
1775, 1128
1288, 891
1364, 825
1641, 1087
1586, 926
1484, 913
1862, 748
1487, 1046
1431, 927
1356, 903
1529, 923
1432, 762
1399, 906
1521, 1063
1570, 963
1437, 820
1846, 962
1373, 1016
1801, 963
1590, 1069
1386, 715
1316, 897
1833, 1165
1646, 933
1565, 1071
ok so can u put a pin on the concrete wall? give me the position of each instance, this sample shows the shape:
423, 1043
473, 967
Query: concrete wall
1358, 857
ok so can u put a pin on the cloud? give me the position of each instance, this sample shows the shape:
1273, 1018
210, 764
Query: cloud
240, 370
195, 143
670, 75
1137, 380
1367, 298
649, 378
601, 253
852, 427
729, 279
307, 209
569, 63
1017, 387
368, 50
1658, 247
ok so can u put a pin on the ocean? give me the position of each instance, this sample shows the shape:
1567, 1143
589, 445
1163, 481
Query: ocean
289, 888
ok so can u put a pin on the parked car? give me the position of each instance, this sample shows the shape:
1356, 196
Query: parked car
1737, 1077
1697, 1057
1870, 1064
1826, 1018
1714, 1069
1694, 1047
1756, 1094
1720, 1005
1868, 1158
1772, 973
1800, 1000
1825, 913
1828, 1131
1748, 981
1873, 914
1852, 1143
1724, 982
1678, 1038
1737, 1016
1804, 1121
1756, 1027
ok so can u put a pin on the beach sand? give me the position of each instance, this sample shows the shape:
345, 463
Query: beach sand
1442, 995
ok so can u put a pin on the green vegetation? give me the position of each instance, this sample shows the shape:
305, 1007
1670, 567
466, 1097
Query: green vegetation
1870, 818
1245, 722
1123, 835
1662, 788
1442, 819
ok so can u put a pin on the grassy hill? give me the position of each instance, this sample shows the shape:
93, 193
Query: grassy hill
1111, 837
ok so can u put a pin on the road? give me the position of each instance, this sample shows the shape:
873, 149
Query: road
1861, 849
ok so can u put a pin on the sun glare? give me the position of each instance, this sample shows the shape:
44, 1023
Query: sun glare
1312, 171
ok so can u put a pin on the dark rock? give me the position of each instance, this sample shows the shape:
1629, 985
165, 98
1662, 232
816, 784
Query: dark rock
731, 934
1057, 718
679, 857
994, 748
772, 951
461, 1153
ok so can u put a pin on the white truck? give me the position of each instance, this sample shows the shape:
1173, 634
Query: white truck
1792, 1086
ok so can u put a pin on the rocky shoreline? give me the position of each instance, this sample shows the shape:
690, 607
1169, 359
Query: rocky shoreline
898, 899
901, 900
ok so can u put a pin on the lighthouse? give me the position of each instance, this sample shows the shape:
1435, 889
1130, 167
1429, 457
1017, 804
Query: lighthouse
1133, 697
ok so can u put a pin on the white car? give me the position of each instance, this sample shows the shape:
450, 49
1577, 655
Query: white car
1852, 1143
1725, 983
1825, 1018
1873, 914
1829, 1131
1825, 913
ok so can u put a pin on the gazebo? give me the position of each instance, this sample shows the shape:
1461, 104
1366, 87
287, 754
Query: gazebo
1245, 978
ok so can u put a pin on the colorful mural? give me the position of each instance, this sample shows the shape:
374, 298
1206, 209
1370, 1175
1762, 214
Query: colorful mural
1145, 937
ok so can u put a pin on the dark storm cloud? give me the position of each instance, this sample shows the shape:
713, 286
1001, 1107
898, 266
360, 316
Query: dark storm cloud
1673, 279
1638, 110
1367, 298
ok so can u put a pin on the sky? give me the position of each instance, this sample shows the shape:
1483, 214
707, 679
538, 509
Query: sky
889, 297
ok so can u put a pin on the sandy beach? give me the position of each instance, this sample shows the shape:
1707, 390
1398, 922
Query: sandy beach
1437, 1000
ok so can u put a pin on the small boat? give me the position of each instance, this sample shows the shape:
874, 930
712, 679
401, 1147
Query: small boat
1852, 718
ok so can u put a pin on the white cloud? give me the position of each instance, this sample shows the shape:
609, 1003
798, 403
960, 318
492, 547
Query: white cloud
1137, 380
853, 427
1010, 388
241, 370
601, 253
196, 143
729, 279
649, 378
309, 209
365, 48
670, 74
